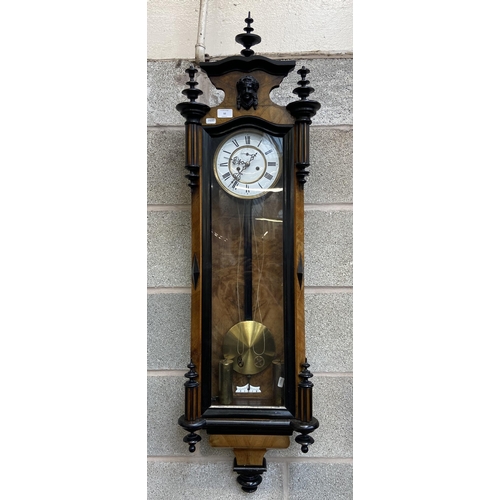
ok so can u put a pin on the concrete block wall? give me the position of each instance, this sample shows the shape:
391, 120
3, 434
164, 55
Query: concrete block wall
326, 471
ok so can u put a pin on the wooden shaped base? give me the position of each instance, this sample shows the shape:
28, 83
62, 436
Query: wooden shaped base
249, 453
249, 476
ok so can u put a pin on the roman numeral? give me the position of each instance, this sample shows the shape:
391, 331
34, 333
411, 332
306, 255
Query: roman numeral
272, 163
226, 176
227, 152
247, 139
235, 142
223, 164
267, 152
268, 176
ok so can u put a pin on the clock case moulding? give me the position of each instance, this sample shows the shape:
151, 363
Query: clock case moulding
249, 431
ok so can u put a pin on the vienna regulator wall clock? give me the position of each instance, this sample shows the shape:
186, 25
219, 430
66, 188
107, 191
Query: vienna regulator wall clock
248, 380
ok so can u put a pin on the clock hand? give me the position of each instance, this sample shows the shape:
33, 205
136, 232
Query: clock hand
237, 161
237, 176
246, 164
252, 156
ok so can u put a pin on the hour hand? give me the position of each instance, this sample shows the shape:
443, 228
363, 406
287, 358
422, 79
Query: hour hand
237, 161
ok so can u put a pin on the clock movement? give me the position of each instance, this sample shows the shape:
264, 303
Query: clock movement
248, 382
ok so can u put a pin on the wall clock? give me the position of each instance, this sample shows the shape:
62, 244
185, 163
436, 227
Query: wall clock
248, 382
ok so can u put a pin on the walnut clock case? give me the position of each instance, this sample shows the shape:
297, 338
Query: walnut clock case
248, 381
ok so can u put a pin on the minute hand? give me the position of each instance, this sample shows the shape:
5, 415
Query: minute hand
252, 157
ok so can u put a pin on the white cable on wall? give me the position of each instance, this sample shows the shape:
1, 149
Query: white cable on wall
199, 48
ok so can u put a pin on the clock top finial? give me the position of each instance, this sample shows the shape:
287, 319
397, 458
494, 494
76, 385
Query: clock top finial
248, 39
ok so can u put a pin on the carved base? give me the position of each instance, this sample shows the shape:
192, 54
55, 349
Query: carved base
249, 476
249, 453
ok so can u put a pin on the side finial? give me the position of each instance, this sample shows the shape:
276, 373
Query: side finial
305, 422
192, 92
303, 91
248, 39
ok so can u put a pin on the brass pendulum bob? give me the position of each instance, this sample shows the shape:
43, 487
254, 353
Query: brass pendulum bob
251, 345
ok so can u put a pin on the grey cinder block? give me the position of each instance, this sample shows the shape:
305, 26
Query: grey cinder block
167, 183
169, 331
165, 406
332, 83
333, 404
330, 173
329, 331
328, 248
318, 481
165, 83
169, 249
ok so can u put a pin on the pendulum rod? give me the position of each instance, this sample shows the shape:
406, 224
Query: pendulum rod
247, 268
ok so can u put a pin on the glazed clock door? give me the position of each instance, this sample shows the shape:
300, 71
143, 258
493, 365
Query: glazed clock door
247, 317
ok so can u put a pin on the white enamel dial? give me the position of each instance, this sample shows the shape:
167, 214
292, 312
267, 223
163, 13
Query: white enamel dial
248, 163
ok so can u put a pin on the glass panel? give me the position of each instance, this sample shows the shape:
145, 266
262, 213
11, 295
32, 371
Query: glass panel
247, 271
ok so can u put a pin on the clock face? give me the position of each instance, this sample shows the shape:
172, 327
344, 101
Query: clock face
248, 164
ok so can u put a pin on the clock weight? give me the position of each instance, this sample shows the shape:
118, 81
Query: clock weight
226, 381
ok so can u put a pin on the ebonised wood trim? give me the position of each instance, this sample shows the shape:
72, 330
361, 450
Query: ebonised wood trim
247, 64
